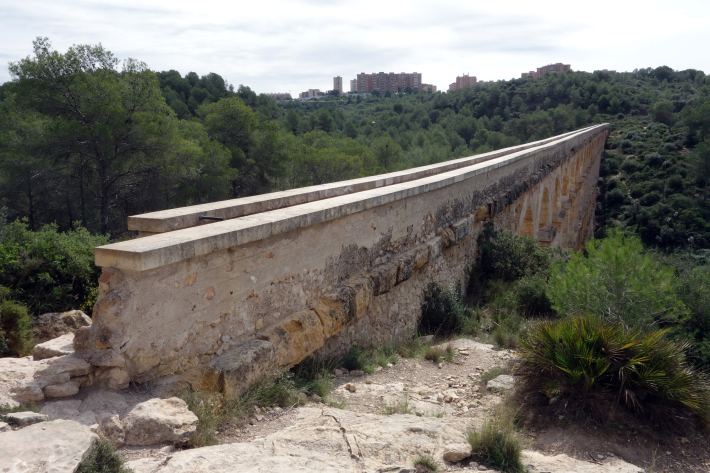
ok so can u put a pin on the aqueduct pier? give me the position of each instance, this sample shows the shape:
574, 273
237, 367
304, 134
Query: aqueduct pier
315, 270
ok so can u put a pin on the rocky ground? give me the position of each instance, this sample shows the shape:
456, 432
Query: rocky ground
370, 423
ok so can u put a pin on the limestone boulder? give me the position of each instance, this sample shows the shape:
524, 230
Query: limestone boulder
159, 420
50, 447
112, 378
69, 364
5, 427
55, 324
456, 452
59, 346
502, 383
67, 389
111, 428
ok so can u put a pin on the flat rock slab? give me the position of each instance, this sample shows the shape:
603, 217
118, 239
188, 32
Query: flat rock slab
22, 419
59, 346
49, 447
564, 464
15, 375
99, 401
55, 324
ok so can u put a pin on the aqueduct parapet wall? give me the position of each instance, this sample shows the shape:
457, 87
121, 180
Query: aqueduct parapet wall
316, 270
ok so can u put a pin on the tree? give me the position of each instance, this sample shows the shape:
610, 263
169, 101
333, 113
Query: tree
114, 125
617, 281
700, 162
387, 152
662, 112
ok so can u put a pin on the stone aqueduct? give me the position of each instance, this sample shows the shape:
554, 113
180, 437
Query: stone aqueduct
315, 270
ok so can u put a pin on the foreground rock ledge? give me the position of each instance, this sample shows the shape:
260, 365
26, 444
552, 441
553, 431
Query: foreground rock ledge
333, 440
49, 447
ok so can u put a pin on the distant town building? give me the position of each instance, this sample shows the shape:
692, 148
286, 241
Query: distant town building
541, 71
338, 85
310, 93
353, 85
382, 82
463, 82
280, 96
429, 88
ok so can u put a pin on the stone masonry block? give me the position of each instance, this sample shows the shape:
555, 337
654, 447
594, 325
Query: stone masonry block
296, 338
462, 229
384, 278
405, 266
336, 310
242, 366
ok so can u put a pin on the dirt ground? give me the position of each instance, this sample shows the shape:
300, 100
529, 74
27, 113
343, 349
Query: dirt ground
454, 389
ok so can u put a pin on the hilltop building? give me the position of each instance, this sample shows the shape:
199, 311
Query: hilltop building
338, 85
541, 71
463, 82
429, 88
310, 93
382, 82
353, 85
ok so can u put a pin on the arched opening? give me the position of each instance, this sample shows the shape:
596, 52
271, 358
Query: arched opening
527, 228
544, 219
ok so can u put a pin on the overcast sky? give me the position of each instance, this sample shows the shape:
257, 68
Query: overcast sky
282, 46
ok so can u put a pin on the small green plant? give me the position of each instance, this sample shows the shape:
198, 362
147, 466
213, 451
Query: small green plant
398, 407
366, 360
594, 365
496, 444
443, 311
438, 353
208, 409
102, 458
494, 373
425, 464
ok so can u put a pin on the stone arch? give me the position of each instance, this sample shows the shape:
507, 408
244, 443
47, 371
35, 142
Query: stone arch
528, 226
544, 217
556, 196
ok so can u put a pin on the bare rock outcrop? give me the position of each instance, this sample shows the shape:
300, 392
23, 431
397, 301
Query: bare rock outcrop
55, 324
60, 346
57, 447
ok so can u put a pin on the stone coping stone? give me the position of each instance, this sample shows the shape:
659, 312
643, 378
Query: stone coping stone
154, 251
184, 217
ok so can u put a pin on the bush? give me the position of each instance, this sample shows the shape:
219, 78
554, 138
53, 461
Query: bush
497, 445
15, 329
102, 458
593, 365
507, 257
46, 270
618, 281
425, 463
530, 294
650, 199
443, 311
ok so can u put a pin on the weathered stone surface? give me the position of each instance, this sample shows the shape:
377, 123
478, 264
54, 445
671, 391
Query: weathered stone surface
71, 364
501, 383
111, 428
296, 338
201, 378
49, 447
5, 427
55, 324
15, 376
241, 366
565, 464
384, 278
22, 419
61, 409
113, 378
61, 390
336, 310
455, 452
159, 420
59, 346
104, 401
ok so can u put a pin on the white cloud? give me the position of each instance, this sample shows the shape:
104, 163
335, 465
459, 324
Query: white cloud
294, 45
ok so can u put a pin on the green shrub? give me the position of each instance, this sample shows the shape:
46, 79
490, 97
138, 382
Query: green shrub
437, 353
497, 445
207, 408
443, 311
15, 329
618, 281
530, 294
425, 463
46, 270
592, 365
102, 458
